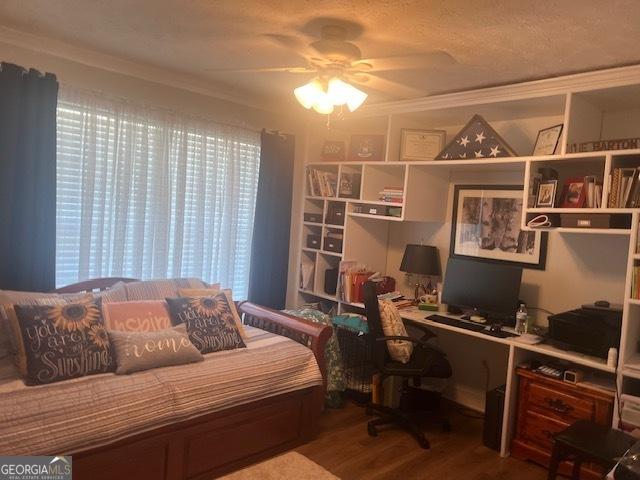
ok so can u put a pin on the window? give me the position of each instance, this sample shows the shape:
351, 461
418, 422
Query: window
149, 194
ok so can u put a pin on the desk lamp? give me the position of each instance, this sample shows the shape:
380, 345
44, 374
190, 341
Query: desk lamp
421, 260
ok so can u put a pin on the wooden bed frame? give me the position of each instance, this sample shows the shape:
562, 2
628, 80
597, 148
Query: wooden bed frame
217, 443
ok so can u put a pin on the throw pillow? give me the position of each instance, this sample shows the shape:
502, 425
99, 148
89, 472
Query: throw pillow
140, 316
212, 292
9, 320
209, 320
64, 341
135, 351
392, 326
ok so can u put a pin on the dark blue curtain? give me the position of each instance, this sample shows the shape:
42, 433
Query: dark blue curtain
272, 224
28, 102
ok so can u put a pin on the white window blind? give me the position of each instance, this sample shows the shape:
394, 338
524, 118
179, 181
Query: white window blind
148, 194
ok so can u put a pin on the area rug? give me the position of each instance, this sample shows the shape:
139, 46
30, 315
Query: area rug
289, 466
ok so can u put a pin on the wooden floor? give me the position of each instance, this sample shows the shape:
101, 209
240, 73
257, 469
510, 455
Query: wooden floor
344, 448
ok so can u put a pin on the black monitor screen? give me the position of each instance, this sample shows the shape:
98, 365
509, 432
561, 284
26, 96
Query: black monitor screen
490, 287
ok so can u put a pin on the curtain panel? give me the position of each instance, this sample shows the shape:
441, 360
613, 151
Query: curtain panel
27, 178
270, 252
146, 193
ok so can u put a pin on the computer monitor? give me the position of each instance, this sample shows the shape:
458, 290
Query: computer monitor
492, 289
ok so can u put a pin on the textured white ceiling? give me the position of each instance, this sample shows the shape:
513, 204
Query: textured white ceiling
494, 41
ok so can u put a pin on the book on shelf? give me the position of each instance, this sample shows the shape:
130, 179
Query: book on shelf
350, 185
593, 192
624, 190
635, 286
321, 183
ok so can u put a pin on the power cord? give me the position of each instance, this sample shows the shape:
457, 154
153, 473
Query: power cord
541, 309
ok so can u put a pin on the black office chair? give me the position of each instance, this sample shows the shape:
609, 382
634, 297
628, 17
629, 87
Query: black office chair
426, 361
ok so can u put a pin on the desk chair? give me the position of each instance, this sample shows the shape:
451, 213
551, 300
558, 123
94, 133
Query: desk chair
425, 361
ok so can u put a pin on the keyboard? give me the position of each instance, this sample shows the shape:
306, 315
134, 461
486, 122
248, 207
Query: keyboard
474, 327
454, 322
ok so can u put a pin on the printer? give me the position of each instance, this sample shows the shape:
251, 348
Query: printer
591, 329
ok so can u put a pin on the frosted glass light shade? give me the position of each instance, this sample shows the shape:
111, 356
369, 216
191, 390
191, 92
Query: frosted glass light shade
309, 93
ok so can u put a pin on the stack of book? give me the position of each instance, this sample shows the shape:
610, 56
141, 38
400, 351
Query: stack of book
624, 191
321, 183
391, 194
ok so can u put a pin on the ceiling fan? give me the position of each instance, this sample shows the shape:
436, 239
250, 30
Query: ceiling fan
336, 64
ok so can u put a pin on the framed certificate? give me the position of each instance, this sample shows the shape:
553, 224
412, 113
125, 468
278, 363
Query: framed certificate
421, 144
547, 141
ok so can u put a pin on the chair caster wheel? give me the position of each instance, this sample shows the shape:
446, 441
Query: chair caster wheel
446, 427
371, 430
423, 442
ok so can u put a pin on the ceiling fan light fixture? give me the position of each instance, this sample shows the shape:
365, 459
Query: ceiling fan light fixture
338, 92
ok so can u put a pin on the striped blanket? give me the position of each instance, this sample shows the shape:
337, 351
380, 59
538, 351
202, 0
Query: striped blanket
84, 413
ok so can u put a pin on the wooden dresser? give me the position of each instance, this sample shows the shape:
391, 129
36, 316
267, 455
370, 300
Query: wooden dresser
547, 406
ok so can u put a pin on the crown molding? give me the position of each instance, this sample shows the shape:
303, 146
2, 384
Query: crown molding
579, 82
122, 66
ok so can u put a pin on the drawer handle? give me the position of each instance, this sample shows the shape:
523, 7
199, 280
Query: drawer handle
558, 405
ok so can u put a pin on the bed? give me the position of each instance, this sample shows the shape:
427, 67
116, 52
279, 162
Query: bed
187, 422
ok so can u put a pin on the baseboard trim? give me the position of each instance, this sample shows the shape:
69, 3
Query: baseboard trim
466, 396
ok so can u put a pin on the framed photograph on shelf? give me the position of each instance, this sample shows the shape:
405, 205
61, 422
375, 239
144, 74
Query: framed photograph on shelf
573, 194
416, 145
547, 193
547, 141
366, 148
333, 151
486, 226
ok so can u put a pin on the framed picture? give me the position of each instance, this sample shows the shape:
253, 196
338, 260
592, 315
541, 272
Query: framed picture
421, 144
547, 193
333, 151
366, 148
547, 141
486, 225
573, 193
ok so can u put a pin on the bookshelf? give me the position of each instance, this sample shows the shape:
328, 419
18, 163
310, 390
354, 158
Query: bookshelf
594, 106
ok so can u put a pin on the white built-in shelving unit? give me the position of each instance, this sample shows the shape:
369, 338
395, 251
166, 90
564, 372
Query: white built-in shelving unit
591, 106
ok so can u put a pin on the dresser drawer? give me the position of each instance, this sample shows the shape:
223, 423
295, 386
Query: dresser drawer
560, 405
540, 429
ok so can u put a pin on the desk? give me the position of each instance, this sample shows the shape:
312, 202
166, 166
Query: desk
518, 353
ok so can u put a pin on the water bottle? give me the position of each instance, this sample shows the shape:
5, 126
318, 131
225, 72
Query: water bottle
521, 319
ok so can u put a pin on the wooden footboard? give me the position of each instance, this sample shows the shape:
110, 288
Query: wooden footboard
312, 335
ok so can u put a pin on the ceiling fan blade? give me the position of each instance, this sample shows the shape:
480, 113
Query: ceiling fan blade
263, 70
295, 44
436, 58
386, 86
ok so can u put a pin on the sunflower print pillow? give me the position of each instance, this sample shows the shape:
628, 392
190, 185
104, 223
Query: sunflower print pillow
210, 321
64, 341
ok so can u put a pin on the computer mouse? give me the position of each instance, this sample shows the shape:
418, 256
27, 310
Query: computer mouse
602, 304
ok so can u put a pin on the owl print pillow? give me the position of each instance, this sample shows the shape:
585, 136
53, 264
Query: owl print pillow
210, 320
63, 341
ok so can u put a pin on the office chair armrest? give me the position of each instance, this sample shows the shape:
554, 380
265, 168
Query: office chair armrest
424, 329
417, 341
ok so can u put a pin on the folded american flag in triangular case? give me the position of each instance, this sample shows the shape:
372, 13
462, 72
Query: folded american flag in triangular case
476, 140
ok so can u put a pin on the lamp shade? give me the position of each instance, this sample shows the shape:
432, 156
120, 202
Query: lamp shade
422, 260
